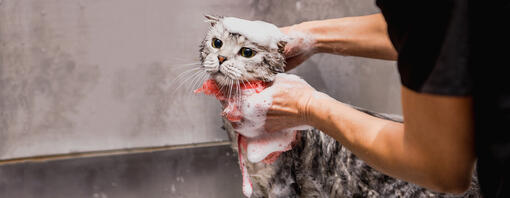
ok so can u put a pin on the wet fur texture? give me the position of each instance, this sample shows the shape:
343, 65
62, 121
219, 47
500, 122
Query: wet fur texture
317, 165
262, 66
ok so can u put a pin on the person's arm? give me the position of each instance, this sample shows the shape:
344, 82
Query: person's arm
364, 36
433, 147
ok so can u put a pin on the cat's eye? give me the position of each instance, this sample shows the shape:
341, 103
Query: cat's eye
217, 43
247, 52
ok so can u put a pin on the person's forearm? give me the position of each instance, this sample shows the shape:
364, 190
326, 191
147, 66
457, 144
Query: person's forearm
364, 36
384, 145
356, 130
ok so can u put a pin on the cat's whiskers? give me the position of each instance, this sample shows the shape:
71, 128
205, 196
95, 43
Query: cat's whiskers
179, 79
198, 79
233, 90
238, 92
183, 59
189, 81
204, 78
242, 81
188, 64
231, 83
185, 65
189, 78
184, 74
221, 88
192, 80
250, 84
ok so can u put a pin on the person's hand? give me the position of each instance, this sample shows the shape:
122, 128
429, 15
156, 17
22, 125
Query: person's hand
291, 96
284, 103
300, 46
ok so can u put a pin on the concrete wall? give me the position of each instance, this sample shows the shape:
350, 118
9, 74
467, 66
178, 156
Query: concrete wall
93, 75
210, 172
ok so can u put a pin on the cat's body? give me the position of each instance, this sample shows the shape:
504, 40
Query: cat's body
317, 165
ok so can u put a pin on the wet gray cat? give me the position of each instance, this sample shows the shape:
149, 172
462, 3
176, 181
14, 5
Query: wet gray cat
317, 166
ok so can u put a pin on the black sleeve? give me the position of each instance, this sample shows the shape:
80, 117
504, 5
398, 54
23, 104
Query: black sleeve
460, 47
431, 38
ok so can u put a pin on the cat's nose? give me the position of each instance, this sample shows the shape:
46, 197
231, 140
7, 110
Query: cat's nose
221, 59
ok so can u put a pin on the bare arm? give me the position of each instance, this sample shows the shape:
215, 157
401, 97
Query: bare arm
364, 36
433, 148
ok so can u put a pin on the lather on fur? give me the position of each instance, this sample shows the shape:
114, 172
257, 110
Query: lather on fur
317, 165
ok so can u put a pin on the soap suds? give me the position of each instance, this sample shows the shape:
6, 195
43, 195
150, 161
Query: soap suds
255, 31
261, 144
252, 109
247, 185
258, 144
253, 140
261, 147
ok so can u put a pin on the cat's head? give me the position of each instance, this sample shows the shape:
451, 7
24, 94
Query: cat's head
236, 50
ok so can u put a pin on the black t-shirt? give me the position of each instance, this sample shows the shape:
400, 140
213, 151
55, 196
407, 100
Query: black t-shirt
461, 48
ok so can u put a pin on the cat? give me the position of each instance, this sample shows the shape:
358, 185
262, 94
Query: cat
317, 165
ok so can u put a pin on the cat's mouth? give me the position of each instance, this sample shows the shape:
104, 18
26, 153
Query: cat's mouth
222, 79
232, 87
227, 81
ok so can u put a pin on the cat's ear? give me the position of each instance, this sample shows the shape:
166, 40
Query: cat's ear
281, 46
212, 20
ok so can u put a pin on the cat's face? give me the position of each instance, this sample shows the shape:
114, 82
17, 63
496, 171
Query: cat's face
231, 58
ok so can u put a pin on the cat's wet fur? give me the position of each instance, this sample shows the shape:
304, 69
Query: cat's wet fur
264, 65
317, 165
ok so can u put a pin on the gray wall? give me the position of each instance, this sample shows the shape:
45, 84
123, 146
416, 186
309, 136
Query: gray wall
93, 75
210, 172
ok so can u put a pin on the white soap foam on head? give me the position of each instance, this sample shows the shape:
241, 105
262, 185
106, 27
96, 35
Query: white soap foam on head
260, 32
